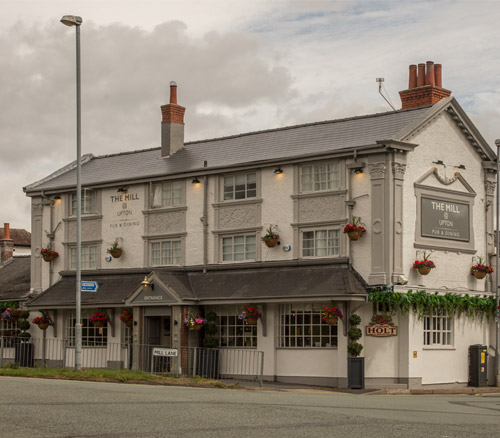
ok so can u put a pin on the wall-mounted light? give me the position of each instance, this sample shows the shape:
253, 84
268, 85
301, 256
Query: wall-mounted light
438, 162
278, 171
357, 167
195, 180
357, 170
57, 198
461, 166
146, 283
122, 190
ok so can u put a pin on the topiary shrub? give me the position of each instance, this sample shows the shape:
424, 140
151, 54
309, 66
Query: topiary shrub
211, 329
23, 324
354, 319
354, 349
354, 334
211, 316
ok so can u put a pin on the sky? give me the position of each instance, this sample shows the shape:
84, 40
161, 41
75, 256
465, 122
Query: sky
239, 65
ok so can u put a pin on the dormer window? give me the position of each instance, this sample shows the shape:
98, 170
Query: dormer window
322, 176
167, 194
240, 186
89, 202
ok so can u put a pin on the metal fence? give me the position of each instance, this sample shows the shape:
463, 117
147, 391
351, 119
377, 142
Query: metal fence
213, 363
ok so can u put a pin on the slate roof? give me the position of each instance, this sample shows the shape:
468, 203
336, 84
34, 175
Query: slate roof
21, 237
235, 285
15, 279
250, 148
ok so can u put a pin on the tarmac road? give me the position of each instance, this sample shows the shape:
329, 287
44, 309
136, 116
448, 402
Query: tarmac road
52, 408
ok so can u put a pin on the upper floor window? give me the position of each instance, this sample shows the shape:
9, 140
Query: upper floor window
88, 257
324, 176
166, 252
240, 186
320, 243
238, 248
438, 330
89, 202
167, 194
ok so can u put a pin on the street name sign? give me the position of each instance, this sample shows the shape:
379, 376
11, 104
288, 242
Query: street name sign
89, 286
165, 352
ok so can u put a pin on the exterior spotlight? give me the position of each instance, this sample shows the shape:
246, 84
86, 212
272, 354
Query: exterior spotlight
146, 283
358, 170
195, 180
438, 162
278, 171
57, 198
357, 167
122, 190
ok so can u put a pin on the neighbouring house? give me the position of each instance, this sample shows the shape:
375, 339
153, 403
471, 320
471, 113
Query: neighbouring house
21, 240
260, 219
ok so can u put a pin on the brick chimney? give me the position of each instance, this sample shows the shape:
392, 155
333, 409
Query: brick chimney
424, 86
172, 125
6, 245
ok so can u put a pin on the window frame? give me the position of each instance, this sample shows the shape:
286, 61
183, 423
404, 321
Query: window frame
92, 337
181, 199
161, 241
232, 328
315, 230
91, 195
334, 183
326, 331
438, 326
72, 256
234, 185
233, 236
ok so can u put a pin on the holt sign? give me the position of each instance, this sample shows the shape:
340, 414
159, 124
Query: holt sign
381, 330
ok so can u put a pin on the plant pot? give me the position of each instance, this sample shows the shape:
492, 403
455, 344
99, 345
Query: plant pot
479, 275
423, 270
251, 321
43, 325
48, 257
98, 323
271, 243
116, 253
129, 323
332, 320
354, 235
195, 327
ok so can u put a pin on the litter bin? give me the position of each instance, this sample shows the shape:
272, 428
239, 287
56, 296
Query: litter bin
478, 365
24, 354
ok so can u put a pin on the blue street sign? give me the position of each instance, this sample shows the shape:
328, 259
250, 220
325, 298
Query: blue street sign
89, 286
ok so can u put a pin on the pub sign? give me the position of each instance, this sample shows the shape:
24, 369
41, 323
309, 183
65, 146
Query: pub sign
445, 219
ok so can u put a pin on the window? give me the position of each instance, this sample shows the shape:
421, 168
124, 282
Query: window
240, 186
167, 194
301, 326
320, 243
88, 257
320, 177
438, 330
167, 252
91, 336
238, 248
233, 332
89, 202
9, 331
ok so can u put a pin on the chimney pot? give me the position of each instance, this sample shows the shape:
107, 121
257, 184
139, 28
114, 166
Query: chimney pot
412, 82
438, 73
6, 231
429, 74
173, 93
421, 75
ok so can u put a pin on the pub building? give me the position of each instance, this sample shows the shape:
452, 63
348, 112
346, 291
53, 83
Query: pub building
190, 217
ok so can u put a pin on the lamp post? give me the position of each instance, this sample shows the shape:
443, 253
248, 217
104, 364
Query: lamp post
497, 310
71, 20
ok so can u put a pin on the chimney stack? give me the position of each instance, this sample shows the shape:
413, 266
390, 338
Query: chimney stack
172, 125
424, 86
6, 245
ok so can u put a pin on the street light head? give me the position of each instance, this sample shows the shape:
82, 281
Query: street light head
71, 20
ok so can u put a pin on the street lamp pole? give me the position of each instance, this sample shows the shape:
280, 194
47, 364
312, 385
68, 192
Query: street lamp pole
71, 20
497, 310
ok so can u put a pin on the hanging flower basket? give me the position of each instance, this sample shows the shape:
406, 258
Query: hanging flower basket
332, 320
195, 327
250, 315
424, 270
480, 270
127, 317
424, 266
98, 323
11, 315
251, 321
271, 243
99, 319
271, 237
116, 253
194, 322
354, 231
48, 254
43, 326
354, 235
48, 257
43, 322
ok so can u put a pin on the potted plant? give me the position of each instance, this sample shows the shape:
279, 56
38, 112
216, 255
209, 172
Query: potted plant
43, 322
115, 250
127, 317
271, 237
194, 322
331, 315
480, 270
424, 266
250, 314
12, 314
48, 254
355, 230
99, 319
355, 364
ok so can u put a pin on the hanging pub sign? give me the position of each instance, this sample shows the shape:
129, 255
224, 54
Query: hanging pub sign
445, 219
381, 326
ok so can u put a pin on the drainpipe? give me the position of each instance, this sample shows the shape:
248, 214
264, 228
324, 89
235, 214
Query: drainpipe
50, 234
204, 219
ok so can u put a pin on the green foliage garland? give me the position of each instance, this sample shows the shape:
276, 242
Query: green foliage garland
425, 304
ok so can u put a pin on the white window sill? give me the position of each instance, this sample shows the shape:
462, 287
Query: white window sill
439, 347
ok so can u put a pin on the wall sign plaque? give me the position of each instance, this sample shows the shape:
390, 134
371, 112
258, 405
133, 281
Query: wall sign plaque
445, 219
381, 326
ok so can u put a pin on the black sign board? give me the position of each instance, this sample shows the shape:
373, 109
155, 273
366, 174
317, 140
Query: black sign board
445, 219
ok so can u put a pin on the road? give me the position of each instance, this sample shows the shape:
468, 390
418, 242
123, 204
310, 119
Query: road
51, 408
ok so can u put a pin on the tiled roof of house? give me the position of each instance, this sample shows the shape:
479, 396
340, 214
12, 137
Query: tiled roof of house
15, 279
250, 148
20, 237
